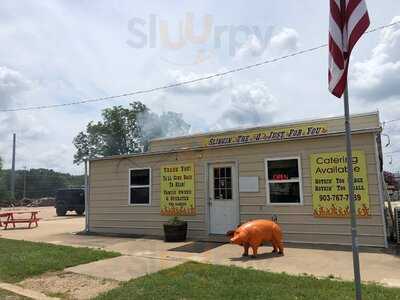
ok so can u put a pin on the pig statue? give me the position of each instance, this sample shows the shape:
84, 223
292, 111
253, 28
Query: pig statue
254, 233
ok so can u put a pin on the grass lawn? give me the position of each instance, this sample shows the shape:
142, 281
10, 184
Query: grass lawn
22, 259
203, 281
6, 295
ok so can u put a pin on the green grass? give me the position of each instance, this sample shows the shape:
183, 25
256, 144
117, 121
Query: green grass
22, 259
202, 281
6, 295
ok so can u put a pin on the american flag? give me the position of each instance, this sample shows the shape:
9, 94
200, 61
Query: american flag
348, 21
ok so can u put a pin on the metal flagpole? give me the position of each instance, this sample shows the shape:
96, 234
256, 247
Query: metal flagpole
356, 259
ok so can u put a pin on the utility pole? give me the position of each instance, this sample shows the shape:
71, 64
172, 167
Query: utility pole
24, 183
13, 169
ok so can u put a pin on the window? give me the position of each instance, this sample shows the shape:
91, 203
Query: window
139, 186
283, 181
223, 183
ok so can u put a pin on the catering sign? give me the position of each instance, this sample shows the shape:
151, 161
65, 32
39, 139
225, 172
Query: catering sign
177, 190
266, 135
329, 184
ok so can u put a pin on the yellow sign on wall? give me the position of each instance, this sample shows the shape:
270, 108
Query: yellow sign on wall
330, 185
266, 135
177, 190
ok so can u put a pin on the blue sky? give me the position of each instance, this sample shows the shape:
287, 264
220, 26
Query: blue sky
61, 51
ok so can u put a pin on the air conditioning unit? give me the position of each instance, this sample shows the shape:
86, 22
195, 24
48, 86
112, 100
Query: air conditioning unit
397, 223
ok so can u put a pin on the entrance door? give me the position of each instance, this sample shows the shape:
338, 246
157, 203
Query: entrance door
223, 200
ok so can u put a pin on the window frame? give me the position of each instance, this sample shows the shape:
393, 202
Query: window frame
299, 180
225, 188
138, 186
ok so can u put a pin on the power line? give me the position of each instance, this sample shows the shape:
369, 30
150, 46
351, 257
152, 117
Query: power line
392, 152
186, 82
168, 86
391, 121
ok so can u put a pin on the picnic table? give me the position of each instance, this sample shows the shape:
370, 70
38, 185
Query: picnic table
14, 217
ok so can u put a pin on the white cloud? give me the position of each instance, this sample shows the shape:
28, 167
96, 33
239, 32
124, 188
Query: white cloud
52, 158
27, 123
251, 104
251, 47
39, 140
205, 87
282, 41
11, 83
287, 39
378, 78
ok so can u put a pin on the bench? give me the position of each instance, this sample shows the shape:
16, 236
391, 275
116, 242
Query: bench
11, 219
3, 215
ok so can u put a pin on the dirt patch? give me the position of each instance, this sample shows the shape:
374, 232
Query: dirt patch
68, 285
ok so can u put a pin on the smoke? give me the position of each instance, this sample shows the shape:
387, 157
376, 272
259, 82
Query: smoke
168, 124
251, 104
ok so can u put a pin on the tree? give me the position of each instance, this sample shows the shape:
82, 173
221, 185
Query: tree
118, 133
126, 130
3, 187
38, 183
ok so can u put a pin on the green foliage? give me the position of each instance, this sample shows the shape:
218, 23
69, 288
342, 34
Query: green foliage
38, 183
4, 193
22, 259
203, 281
117, 133
125, 130
175, 221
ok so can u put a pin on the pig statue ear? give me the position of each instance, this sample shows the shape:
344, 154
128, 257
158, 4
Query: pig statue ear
230, 233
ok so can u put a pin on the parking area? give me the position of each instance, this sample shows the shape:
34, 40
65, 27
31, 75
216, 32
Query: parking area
50, 226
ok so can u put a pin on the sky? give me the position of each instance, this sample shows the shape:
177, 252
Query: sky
55, 52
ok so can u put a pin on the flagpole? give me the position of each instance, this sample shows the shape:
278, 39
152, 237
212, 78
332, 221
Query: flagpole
356, 259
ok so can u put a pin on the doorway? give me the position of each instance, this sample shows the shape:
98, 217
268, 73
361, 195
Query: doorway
223, 200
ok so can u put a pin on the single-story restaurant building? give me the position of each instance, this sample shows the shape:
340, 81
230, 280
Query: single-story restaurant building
295, 173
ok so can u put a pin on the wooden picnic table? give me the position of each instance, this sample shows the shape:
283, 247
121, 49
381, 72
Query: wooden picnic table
13, 218
3, 215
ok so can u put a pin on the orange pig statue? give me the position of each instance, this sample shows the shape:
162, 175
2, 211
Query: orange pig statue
254, 233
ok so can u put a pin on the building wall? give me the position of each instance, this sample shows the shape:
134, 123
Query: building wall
109, 210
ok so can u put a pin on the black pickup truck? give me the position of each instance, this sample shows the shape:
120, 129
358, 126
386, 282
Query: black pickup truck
70, 199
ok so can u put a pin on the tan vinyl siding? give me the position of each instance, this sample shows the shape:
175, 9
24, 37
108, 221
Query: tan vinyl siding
110, 212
